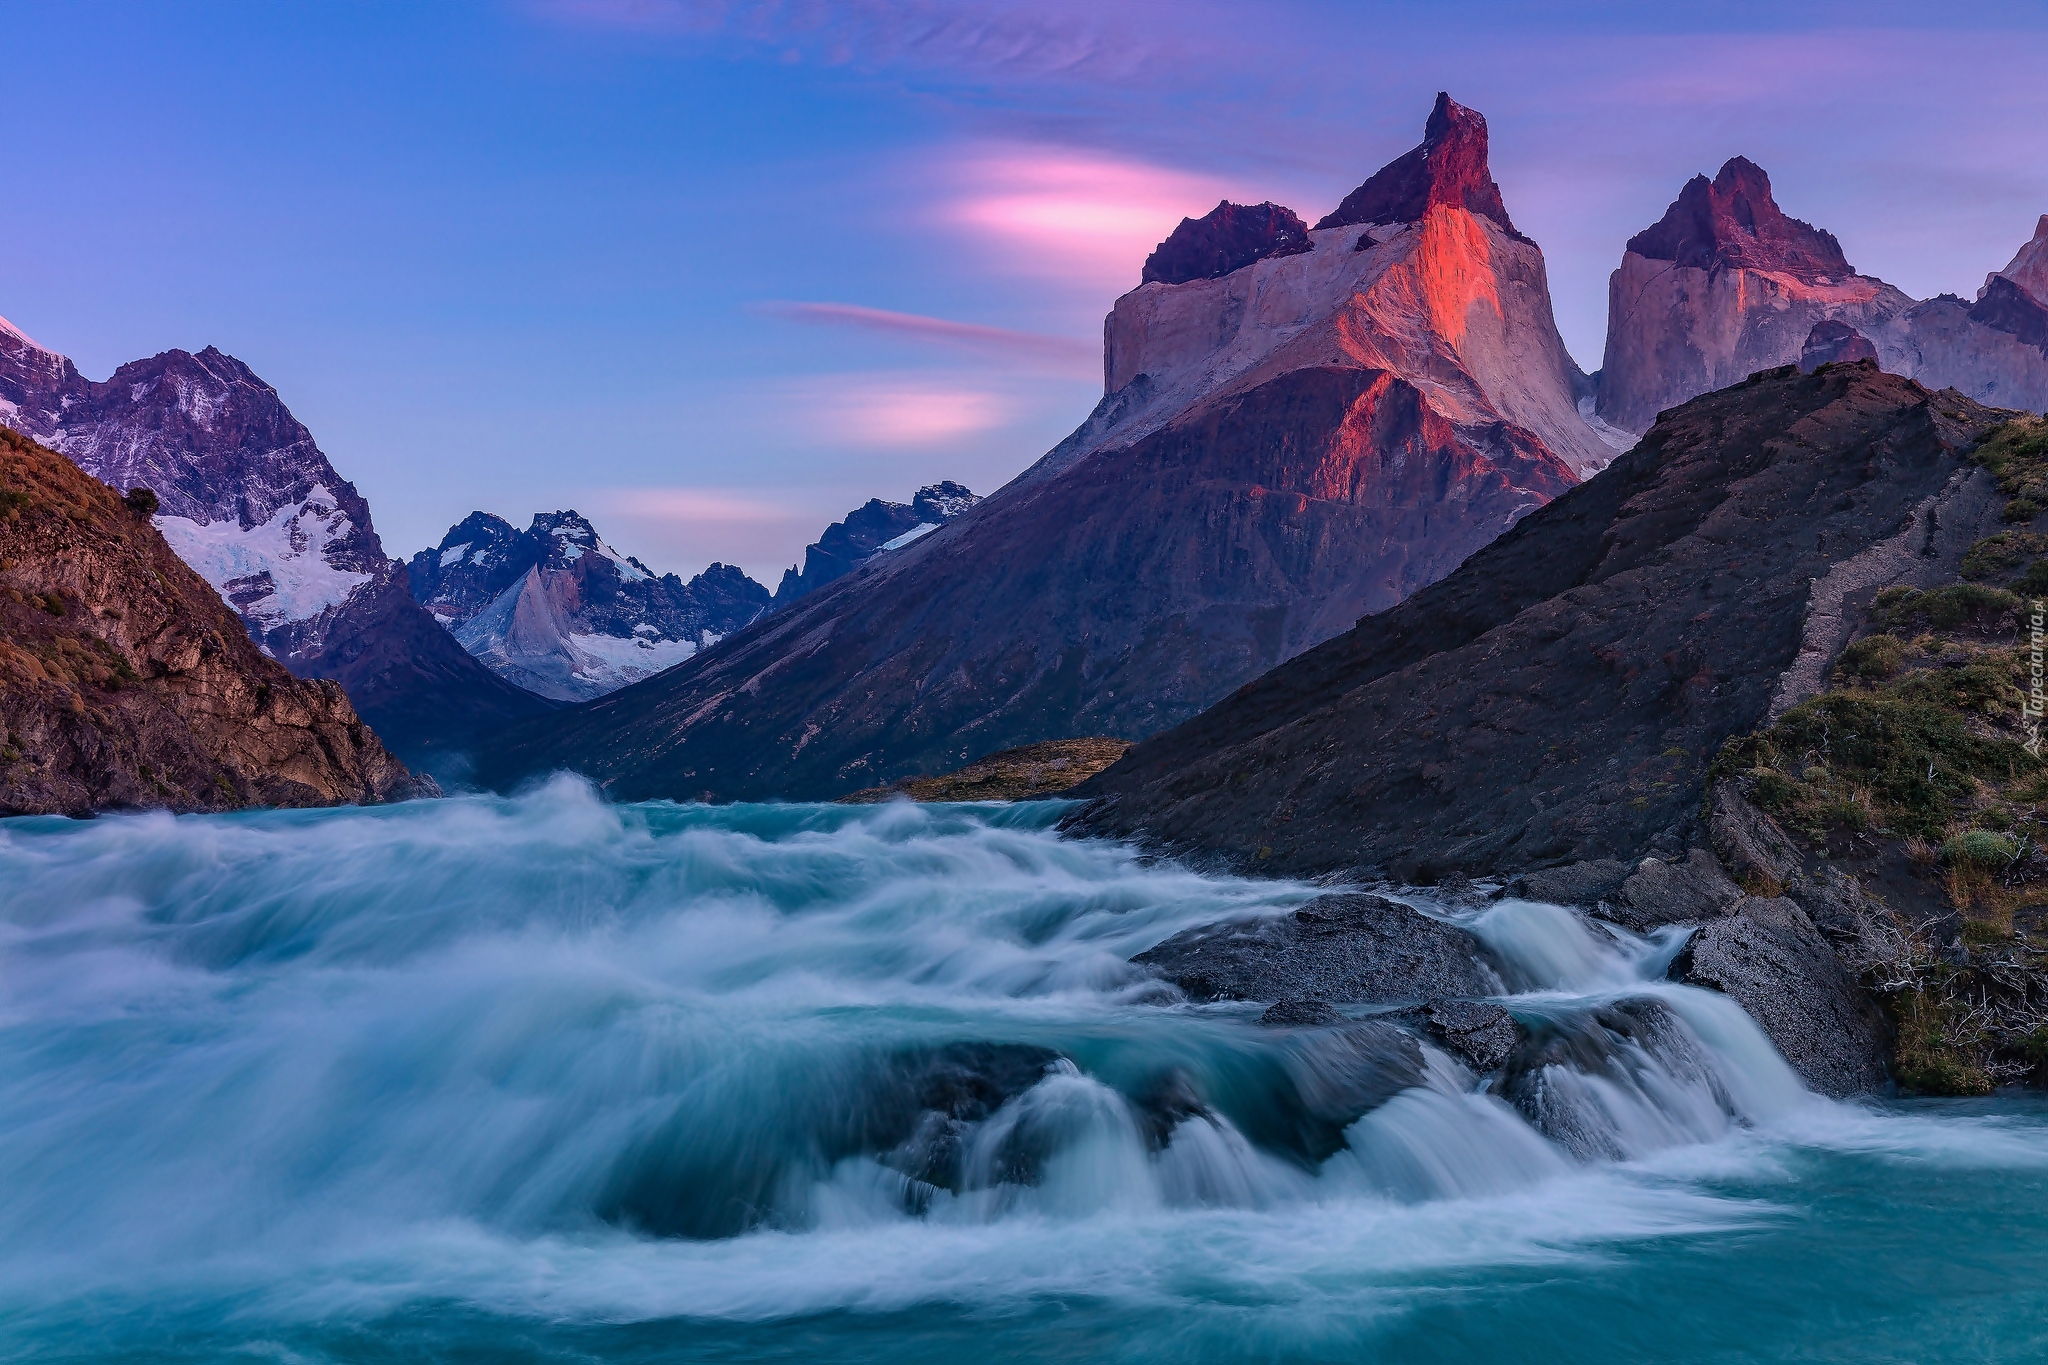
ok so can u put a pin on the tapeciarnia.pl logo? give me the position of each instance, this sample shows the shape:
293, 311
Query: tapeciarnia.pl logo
2037, 693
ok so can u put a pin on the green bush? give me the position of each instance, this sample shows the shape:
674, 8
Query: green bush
1874, 657
1979, 848
142, 501
1945, 608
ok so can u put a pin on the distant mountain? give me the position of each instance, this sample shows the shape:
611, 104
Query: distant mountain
248, 500
1725, 285
126, 682
557, 611
1311, 434
868, 530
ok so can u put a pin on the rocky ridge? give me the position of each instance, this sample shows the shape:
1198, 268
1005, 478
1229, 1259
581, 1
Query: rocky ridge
125, 682
872, 528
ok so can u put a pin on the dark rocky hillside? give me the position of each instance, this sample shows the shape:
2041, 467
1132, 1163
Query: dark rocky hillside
1560, 696
126, 682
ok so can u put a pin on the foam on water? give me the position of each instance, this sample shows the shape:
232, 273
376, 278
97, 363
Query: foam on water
547, 1060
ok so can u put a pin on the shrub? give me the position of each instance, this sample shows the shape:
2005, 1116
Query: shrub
2021, 510
1874, 657
1979, 848
1947, 607
142, 501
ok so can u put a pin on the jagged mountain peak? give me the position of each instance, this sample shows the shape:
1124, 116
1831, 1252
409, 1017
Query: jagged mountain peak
1448, 168
2029, 269
1733, 221
1226, 238
868, 530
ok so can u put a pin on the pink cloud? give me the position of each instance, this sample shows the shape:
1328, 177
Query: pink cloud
1072, 215
1066, 355
895, 412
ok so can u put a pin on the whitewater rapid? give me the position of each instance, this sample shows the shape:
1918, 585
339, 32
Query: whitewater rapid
551, 1066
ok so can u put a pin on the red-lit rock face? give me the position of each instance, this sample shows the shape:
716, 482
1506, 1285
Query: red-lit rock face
1449, 168
1733, 222
1226, 238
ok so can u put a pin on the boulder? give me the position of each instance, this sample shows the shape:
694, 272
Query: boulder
1583, 883
1659, 893
1300, 1014
1348, 947
1769, 958
1481, 1032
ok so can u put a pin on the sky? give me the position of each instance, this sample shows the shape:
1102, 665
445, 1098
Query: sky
715, 273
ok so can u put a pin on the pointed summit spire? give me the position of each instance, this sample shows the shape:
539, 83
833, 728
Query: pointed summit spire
2029, 269
1733, 222
1448, 168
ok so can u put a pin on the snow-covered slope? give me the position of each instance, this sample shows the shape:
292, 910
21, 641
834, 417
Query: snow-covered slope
556, 610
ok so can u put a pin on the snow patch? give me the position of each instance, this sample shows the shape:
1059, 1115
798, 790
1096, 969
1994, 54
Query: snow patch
613, 661
1609, 433
628, 570
279, 569
454, 554
921, 529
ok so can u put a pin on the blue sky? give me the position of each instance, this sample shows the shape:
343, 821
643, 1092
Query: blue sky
714, 273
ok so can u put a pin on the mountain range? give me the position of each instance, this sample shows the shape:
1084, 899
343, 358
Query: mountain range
1300, 425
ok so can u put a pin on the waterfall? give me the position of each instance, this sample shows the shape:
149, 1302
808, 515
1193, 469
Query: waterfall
546, 1055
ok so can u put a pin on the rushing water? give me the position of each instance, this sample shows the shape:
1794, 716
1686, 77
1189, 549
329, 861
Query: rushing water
547, 1079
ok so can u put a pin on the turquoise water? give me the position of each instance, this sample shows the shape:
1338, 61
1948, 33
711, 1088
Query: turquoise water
547, 1079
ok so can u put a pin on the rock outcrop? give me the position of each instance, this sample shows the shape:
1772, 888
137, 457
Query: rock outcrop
1557, 698
1834, 342
125, 682
250, 502
556, 610
1226, 238
1346, 947
1309, 437
1725, 285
